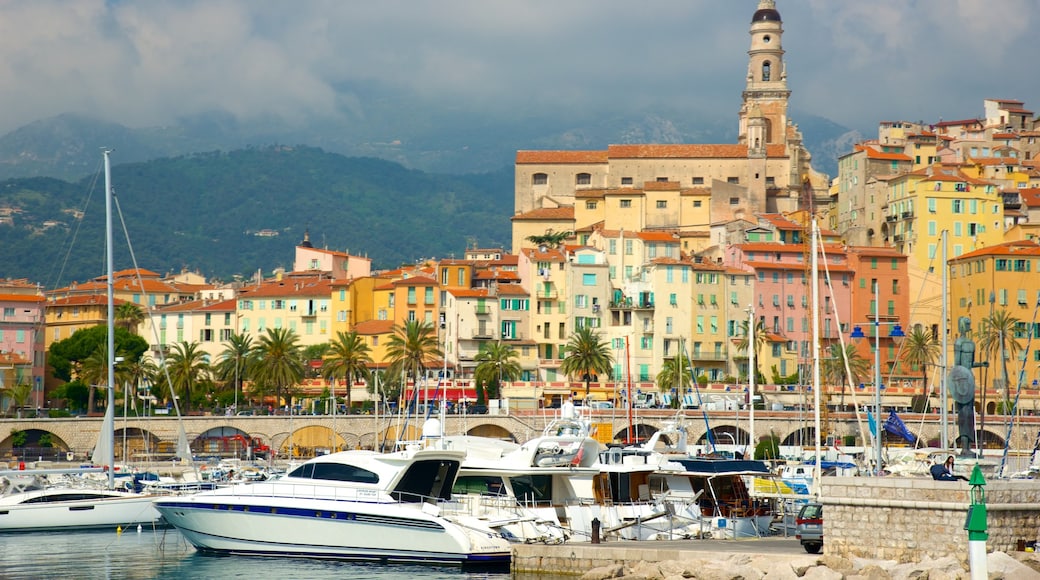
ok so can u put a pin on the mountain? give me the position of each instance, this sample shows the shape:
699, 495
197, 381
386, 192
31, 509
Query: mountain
418, 135
203, 212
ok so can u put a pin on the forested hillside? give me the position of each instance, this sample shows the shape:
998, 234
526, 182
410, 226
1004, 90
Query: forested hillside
203, 212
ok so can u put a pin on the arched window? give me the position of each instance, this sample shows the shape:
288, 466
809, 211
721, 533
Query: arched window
539, 179
583, 179
766, 69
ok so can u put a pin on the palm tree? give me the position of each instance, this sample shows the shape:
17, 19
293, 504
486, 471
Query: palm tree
187, 368
141, 370
833, 366
19, 395
496, 362
279, 362
922, 349
129, 316
93, 371
587, 355
760, 341
675, 373
237, 361
411, 348
998, 342
348, 356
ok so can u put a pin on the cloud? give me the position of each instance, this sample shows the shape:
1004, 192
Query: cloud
150, 63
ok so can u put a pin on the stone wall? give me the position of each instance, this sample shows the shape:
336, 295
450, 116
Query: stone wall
910, 519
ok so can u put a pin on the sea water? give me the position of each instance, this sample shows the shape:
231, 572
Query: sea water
164, 553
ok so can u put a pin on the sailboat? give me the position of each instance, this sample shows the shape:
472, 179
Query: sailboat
33, 502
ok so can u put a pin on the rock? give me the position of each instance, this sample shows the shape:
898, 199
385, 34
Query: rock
836, 563
822, 573
604, 572
1001, 565
869, 572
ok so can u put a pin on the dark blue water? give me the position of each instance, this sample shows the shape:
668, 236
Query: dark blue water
165, 554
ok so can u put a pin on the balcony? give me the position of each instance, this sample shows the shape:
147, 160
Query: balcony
890, 218
309, 314
898, 238
907, 214
482, 309
708, 355
548, 294
483, 334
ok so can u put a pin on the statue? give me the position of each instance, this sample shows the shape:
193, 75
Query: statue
961, 380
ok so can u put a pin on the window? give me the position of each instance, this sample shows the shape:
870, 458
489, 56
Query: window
662, 204
590, 205
673, 299
626, 181
734, 201
698, 181
931, 205
428, 295
732, 180
588, 279
626, 203
583, 179
628, 249
958, 205
696, 203
411, 295
539, 179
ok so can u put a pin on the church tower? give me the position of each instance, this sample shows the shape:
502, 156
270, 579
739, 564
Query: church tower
766, 92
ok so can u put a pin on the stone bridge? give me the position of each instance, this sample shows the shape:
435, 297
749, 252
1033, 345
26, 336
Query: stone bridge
140, 438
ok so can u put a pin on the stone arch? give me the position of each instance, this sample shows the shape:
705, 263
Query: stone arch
801, 437
492, 432
640, 432
991, 440
34, 448
726, 435
137, 444
310, 441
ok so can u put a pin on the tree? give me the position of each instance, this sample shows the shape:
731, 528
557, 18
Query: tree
550, 238
675, 373
93, 370
496, 362
587, 355
998, 341
19, 395
411, 348
63, 355
348, 357
129, 316
833, 367
760, 341
187, 367
279, 364
921, 349
237, 360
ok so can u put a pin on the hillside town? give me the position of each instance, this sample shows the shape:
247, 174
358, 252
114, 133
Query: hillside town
665, 252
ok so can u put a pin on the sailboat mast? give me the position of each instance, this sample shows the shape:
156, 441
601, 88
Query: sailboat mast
816, 383
111, 315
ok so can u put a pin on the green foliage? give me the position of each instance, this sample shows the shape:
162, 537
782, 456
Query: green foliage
63, 354
46, 440
366, 206
768, 448
587, 355
18, 438
75, 394
496, 363
791, 379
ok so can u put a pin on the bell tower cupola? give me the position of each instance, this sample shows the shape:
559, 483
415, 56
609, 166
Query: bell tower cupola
766, 89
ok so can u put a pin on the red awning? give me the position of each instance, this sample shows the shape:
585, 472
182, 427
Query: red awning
449, 393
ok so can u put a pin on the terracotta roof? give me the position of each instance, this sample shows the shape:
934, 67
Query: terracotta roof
468, 292
496, 275
956, 123
21, 298
875, 154
81, 300
547, 213
589, 193
656, 236
549, 255
780, 221
415, 281
661, 186
875, 251
222, 306
560, 157
794, 266
1016, 248
297, 287
512, 290
371, 327
1030, 197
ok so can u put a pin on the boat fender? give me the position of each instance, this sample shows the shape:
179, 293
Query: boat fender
615, 456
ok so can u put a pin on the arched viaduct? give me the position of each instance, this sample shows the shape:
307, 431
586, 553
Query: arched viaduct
217, 435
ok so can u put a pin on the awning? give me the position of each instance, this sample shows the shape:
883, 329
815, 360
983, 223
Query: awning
448, 393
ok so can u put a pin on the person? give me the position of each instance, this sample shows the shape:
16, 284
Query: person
944, 471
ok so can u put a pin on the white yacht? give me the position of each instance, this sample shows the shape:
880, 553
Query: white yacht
32, 502
351, 505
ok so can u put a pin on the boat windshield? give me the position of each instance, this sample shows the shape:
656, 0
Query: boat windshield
431, 478
335, 472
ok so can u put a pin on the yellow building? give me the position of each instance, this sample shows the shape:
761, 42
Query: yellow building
999, 278
299, 303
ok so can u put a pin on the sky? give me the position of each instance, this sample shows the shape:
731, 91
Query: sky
855, 62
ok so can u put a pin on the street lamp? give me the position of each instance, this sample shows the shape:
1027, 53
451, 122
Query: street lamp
897, 332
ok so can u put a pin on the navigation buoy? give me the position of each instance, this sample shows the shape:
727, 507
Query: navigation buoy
119, 530
138, 528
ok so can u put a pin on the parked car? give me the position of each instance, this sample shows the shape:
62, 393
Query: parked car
601, 405
809, 527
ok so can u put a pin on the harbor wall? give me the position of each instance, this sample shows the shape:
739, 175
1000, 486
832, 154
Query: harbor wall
910, 519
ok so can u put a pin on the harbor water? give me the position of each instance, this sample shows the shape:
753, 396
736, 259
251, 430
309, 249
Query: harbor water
164, 553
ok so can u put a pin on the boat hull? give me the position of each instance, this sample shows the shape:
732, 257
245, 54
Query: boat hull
315, 528
87, 514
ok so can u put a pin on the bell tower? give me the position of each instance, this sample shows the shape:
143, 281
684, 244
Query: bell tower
766, 90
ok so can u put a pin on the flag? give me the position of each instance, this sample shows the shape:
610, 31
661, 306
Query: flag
895, 426
872, 423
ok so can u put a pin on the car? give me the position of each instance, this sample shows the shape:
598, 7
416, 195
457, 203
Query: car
601, 405
809, 527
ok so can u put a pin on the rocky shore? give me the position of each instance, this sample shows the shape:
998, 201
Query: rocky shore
1014, 566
